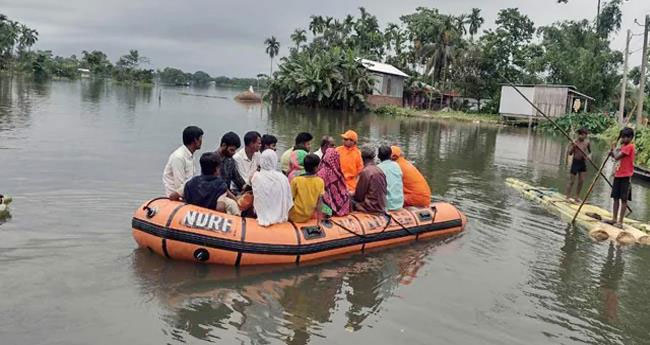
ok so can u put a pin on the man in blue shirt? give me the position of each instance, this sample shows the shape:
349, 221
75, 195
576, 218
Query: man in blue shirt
395, 195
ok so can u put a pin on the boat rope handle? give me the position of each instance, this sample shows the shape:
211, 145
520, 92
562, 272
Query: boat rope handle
346, 229
146, 207
150, 211
390, 216
362, 235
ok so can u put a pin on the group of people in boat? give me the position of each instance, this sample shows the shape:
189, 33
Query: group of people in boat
298, 185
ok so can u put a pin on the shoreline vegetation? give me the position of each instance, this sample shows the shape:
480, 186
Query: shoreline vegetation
444, 114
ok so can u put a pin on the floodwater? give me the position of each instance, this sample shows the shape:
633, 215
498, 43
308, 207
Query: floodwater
79, 157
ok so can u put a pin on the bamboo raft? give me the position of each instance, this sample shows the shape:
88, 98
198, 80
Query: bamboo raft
590, 219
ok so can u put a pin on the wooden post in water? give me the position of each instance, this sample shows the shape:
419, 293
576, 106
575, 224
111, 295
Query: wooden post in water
621, 106
644, 63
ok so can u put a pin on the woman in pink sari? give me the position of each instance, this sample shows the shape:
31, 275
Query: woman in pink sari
336, 200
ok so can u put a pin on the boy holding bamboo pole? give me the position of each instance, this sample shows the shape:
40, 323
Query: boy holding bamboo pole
621, 191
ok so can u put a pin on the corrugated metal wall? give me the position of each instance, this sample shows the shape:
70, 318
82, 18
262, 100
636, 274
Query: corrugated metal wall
551, 100
396, 85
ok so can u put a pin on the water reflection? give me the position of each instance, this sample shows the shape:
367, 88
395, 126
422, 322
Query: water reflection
610, 278
18, 97
93, 90
130, 96
291, 304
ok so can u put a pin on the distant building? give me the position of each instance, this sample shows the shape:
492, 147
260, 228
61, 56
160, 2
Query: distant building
84, 72
389, 83
553, 100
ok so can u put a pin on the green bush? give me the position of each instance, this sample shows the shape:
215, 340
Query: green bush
595, 123
393, 110
641, 142
331, 78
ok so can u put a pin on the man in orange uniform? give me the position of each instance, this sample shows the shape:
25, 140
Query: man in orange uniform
351, 162
416, 188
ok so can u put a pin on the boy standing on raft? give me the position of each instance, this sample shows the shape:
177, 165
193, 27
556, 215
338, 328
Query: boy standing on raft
621, 191
578, 149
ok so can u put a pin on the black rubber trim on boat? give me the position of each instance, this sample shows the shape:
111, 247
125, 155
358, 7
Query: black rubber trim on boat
243, 237
171, 215
417, 219
298, 239
363, 231
164, 248
281, 249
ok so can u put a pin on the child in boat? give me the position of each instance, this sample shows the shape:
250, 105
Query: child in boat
578, 149
307, 191
209, 189
269, 141
621, 191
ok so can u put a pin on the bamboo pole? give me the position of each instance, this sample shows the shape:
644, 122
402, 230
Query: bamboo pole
591, 187
600, 173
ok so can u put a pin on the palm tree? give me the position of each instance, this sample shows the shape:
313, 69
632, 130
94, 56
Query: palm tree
460, 24
272, 48
317, 25
28, 37
299, 36
475, 21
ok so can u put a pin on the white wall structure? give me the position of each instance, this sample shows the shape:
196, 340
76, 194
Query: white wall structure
512, 104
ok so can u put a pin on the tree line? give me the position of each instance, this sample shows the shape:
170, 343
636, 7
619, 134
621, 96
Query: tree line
16, 55
445, 52
16, 41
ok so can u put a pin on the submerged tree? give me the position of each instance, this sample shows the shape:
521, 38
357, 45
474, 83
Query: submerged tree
334, 78
97, 62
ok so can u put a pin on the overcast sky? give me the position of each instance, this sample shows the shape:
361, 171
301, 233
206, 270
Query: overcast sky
226, 37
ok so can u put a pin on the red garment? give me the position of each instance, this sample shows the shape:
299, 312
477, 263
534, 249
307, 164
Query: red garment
626, 164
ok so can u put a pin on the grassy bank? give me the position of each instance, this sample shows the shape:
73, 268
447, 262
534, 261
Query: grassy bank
443, 115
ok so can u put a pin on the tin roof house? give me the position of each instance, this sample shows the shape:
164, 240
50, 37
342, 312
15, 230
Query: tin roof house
389, 83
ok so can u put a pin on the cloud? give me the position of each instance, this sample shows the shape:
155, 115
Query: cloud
226, 37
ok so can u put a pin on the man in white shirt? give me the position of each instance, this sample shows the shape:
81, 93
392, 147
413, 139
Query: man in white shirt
327, 142
180, 165
248, 158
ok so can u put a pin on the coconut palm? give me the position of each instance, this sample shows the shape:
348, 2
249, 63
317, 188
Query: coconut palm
461, 21
28, 37
475, 21
317, 25
272, 48
299, 36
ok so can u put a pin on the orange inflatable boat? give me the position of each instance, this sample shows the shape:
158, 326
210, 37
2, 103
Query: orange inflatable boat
186, 232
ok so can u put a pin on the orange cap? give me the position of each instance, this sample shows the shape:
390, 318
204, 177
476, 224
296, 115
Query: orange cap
396, 152
350, 134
